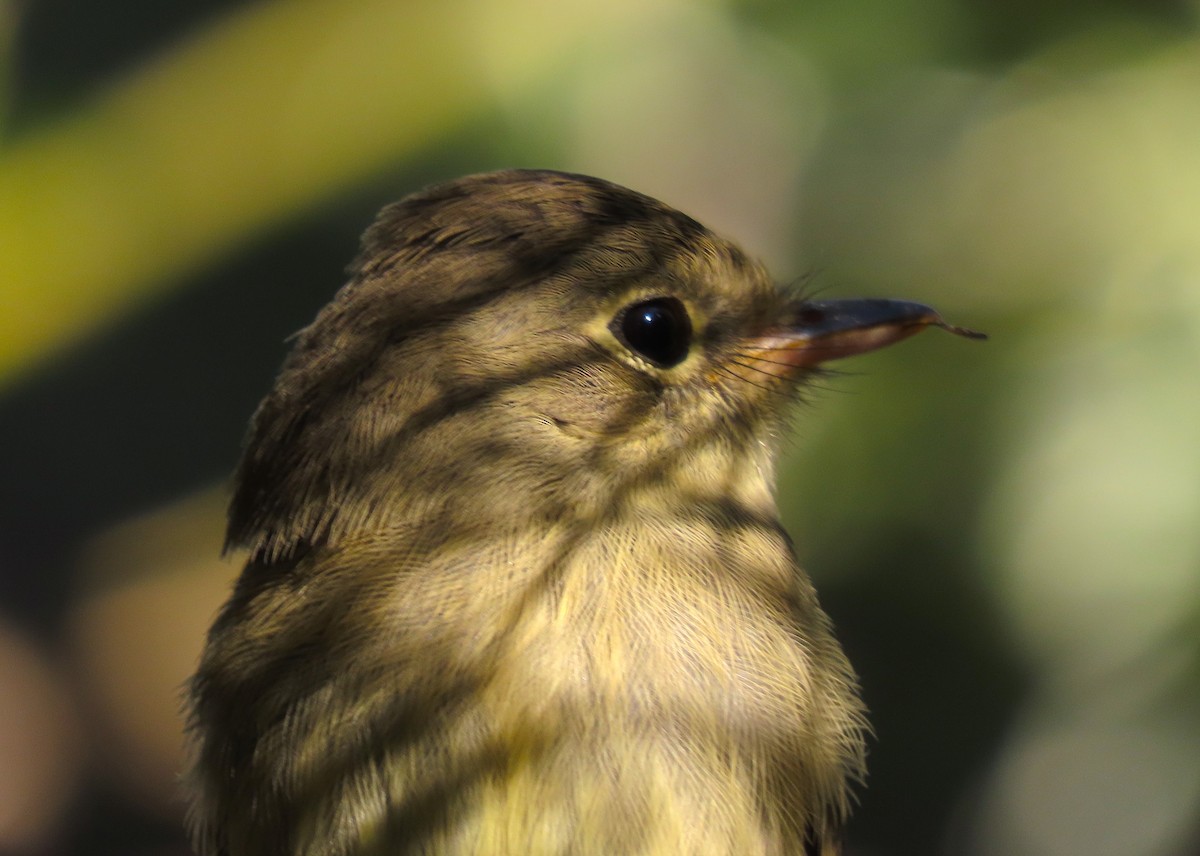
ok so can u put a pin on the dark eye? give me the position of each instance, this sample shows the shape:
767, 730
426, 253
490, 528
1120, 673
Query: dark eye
658, 330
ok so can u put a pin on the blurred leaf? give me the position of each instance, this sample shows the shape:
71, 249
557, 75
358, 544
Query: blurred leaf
8, 28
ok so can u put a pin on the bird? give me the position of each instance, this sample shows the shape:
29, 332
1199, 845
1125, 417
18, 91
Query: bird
515, 579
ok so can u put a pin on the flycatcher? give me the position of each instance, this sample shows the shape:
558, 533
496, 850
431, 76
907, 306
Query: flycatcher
516, 579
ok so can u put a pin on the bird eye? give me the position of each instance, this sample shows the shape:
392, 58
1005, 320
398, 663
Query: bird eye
658, 330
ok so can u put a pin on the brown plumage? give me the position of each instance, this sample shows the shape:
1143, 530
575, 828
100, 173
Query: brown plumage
516, 580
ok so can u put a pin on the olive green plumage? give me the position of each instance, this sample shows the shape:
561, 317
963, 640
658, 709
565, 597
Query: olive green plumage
516, 580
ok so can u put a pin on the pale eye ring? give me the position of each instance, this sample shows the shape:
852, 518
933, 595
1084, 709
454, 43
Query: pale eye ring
658, 330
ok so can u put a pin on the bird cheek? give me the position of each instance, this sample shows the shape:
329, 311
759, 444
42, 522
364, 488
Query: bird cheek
568, 428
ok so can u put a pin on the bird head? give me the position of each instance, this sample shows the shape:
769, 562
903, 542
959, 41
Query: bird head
533, 343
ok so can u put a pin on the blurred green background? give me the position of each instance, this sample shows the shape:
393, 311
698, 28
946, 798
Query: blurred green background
1007, 535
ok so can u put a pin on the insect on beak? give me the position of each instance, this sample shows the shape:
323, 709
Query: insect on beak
822, 330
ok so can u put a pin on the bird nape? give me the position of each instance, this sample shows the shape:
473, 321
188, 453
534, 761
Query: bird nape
516, 582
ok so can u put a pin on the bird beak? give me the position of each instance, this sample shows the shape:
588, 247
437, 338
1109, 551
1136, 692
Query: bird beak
822, 330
